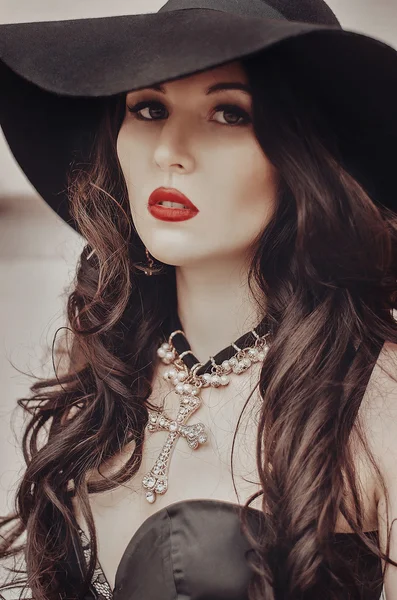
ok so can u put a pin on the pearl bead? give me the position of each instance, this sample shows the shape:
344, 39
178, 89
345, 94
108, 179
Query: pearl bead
226, 366
166, 346
179, 388
233, 361
207, 378
246, 363
175, 380
182, 376
215, 381
261, 355
169, 356
161, 352
224, 379
187, 388
172, 373
253, 354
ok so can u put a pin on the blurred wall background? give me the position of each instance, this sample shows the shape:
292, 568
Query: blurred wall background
38, 251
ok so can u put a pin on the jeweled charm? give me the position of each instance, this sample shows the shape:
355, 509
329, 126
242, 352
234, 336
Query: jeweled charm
156, 481
150, 497
187, 385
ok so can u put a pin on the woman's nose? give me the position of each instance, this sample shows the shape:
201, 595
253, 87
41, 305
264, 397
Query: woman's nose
174, 148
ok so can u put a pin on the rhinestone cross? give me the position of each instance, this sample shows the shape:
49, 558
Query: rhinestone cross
156, 481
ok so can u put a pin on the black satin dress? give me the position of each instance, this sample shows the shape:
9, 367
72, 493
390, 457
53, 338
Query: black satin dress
196, 550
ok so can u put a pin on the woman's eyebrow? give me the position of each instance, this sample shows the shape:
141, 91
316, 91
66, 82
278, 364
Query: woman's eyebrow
229, 85
222, 85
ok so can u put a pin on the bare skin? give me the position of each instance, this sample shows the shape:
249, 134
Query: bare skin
221, 168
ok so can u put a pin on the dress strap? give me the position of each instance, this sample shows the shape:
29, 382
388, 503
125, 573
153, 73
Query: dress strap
78, 555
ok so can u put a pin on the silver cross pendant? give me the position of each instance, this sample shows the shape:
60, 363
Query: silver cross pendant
156, 481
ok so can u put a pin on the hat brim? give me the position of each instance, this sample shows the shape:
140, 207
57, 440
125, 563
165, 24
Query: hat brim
55, 71
104, 56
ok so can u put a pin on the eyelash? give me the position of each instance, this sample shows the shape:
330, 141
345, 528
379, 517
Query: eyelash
231, 108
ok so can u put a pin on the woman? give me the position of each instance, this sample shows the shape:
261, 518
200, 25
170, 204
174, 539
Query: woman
174, 463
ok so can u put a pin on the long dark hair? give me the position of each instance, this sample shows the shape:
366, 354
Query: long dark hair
327, 266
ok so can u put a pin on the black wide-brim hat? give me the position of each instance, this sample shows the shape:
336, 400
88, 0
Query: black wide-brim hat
53, 74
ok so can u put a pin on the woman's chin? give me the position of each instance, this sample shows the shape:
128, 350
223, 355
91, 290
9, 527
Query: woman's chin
177, 259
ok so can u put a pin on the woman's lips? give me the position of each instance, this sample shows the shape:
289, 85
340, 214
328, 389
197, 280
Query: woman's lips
168, 213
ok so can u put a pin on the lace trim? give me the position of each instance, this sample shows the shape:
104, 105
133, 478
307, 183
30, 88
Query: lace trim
98, 581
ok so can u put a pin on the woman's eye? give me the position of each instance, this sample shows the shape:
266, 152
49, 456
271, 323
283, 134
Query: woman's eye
230, 109
153, 109
151, 106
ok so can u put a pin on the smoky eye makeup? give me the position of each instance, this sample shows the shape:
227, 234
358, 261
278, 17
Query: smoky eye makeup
156, 110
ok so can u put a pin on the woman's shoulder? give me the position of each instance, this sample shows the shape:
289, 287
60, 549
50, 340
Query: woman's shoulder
381, 432
381, 393
379, 412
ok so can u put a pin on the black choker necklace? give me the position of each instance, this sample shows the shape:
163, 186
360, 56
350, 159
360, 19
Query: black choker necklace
181, 344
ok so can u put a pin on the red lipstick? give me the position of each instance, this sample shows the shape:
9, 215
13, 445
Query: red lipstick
168, 213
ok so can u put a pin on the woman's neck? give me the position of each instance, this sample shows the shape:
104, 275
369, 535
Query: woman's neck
215, 306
